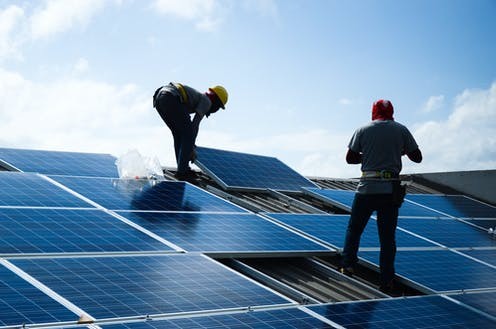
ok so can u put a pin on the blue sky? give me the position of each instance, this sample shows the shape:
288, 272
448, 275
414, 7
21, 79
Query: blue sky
301, 75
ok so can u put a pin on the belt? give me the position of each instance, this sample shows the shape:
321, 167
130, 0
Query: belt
380, 174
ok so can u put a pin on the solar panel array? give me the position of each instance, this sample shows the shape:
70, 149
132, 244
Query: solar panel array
77, 241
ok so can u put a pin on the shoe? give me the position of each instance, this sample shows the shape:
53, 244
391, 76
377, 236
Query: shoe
387, 288
349, 271
188, 176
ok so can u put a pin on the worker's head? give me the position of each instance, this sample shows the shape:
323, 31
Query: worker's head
382, 110
218, 96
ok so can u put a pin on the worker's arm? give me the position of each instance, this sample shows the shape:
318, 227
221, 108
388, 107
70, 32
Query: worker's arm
353, 157
415, 155
196, 125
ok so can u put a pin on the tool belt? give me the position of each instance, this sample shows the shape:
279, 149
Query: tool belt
380, 174
182, 92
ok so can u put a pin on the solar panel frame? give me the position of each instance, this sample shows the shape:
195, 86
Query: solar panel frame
143, 194
109, 287
21, 303
59, 162
224, 233
438, 271
482, 301
412, 312
485, 255
237, 171
48, 230
289, 318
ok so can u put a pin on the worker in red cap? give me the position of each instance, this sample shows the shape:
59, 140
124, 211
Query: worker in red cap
378, 147
175, 103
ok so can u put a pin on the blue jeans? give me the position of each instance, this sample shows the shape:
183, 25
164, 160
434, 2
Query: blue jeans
387, 219
176, 117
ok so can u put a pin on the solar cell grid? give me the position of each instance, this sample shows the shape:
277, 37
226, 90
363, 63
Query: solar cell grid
455, 205
21, 303
26, 230
141, 194
406, 313
109, 287
440, 270
287, 319
448, 232
31, 190
234, 170
483, 301
485, 255
222, 232
332, 229
60, 163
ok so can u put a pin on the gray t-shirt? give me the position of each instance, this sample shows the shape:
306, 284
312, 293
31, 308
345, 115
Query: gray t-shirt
382, 143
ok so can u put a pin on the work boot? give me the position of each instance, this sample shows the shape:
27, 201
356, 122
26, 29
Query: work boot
348, 271
188, 176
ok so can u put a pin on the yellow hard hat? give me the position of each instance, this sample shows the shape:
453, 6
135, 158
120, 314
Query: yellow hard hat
221, 93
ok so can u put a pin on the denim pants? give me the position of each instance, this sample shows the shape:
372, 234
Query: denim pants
176, 117
387, 219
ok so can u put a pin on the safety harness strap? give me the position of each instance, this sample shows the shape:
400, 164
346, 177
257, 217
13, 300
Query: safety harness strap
182, 92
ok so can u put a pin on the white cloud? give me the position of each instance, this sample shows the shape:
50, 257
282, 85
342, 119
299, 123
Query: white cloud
80, 115
81, 66
204, 12
10, 20
466, 140
262, 7
433, 103
59, 15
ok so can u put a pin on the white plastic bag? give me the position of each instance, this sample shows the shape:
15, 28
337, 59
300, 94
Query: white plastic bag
133, 165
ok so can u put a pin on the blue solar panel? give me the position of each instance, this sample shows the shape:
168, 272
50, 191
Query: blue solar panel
485, 255
273, 319
108, 287
455, 205
448, 232
234, 170
139, 194
31, 190
222, 232
440, 270
344, 200
21, 303
405, 313
482, 301
60, 163
484, 223
27, 230
332, 229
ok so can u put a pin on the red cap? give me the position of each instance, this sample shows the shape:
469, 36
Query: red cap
382, 110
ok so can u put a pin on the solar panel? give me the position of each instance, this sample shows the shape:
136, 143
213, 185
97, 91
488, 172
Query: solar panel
448, 232
142, 194
21, 303
455, 205
59, 163
482, 301
27, 230
222, 232
484, 223
417, 312
241, 171
272, 319
332, 229
440, 270
109, 287
31, 190
344, 200
485, 255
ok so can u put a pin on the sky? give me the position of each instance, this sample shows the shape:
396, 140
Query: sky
301, 75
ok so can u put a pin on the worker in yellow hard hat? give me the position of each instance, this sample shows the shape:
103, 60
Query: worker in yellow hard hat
175, 103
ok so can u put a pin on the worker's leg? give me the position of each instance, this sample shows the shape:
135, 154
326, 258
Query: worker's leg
387, 220
360, 214
176, 117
